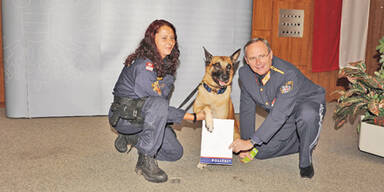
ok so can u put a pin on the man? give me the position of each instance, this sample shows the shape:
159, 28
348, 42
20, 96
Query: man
295, 106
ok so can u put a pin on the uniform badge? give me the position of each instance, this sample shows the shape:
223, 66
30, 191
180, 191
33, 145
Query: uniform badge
156, 86
273, 102
149, 66
266, 78
287, 87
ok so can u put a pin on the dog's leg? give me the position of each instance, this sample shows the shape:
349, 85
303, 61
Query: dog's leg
208, 118
231, 115
236, 133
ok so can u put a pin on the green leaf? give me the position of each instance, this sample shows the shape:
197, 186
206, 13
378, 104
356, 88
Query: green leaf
359, 107
340, 92
351, 100
373, 82
353, 91
373, 107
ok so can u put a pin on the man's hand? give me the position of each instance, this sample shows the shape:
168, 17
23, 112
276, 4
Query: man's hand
244, 154
241, 145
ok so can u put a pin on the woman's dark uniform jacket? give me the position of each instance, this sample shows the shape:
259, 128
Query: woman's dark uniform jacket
286, 96
140, 80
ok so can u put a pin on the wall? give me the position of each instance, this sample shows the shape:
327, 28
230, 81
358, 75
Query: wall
264, 10
63, 57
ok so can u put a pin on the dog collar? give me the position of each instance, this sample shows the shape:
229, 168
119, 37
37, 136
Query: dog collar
220, 91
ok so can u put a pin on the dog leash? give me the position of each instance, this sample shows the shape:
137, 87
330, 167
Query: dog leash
188, 98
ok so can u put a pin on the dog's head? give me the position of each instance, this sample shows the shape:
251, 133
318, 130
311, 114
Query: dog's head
219, 70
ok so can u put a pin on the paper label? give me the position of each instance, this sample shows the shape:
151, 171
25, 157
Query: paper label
214, 145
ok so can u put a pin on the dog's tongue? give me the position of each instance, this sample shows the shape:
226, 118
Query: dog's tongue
221, 83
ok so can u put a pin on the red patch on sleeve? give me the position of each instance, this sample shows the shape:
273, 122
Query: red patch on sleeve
149, 66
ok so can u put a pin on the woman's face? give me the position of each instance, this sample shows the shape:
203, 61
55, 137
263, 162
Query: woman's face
165, 40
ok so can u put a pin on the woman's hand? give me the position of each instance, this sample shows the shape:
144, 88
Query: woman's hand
199, 116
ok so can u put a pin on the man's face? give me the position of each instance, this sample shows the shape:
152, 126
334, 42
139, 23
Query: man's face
258, 57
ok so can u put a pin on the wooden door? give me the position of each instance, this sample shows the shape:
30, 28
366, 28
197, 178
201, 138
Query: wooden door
375, 33
2, 92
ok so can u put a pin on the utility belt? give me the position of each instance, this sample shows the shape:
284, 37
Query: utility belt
128, 109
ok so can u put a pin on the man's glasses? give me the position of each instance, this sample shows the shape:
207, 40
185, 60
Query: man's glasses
259, 57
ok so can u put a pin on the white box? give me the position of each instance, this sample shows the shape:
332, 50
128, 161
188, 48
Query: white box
371, 139
214, 145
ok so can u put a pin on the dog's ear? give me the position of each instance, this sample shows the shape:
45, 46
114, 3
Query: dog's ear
208, 57
235, 56
235, 66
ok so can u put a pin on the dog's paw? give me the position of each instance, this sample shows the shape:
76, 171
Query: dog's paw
209, 122
209, 125
201, 165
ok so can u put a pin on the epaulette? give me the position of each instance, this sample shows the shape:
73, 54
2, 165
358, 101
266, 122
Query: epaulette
277, 70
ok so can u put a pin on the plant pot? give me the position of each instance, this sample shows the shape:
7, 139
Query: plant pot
371, 139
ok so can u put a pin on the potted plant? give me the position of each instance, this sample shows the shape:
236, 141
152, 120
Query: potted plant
365, 97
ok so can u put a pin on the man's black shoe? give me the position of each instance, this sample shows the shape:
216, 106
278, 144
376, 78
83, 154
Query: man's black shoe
307, 172
122, 141
147, 166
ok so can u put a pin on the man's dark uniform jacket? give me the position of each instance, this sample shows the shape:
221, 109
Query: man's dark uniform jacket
284, 88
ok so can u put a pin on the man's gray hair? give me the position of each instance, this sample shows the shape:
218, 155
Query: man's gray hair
254, 40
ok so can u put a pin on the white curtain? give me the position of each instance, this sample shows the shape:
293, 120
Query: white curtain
63, 57
354, 30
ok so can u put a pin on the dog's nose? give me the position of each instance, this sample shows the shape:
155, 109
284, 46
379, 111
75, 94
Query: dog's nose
225, 77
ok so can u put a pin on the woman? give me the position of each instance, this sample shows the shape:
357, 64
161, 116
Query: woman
140, 112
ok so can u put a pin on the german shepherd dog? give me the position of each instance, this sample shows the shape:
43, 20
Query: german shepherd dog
214, 92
